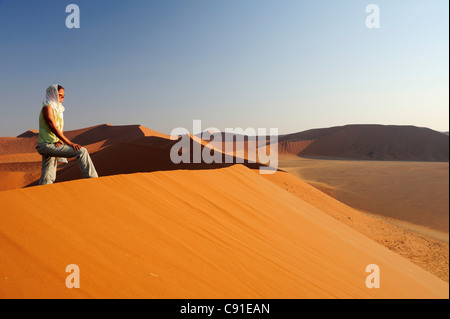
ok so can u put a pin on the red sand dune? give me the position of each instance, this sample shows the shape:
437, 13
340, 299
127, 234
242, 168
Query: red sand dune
16, 145
20, 164
29, 133
105, 133
221, 233
364, 141
18, 174
114, 149
110, 134
370, 142
179, 231
19, 158
238, 145
144, 154
294, 147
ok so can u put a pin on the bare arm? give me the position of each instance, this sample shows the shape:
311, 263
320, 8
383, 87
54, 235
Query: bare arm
48, 116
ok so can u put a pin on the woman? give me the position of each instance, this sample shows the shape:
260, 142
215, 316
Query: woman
52, 144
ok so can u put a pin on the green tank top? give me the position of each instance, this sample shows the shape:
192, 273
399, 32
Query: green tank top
45, 133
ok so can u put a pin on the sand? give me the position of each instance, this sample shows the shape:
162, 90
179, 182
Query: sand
151, 229
223, 233
412, 192
428, 249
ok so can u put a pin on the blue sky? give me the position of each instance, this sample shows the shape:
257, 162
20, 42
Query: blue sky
289, 64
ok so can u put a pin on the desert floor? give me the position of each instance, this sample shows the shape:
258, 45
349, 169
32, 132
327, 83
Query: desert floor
403, 205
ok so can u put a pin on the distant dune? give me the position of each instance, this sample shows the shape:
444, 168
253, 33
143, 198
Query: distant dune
110, 134
114, 149
20, 164
18, 156
15, 145
362, 142
368, 142
29, 133
220, 233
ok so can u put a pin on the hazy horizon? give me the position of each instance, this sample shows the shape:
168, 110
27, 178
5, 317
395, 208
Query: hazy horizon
292, 65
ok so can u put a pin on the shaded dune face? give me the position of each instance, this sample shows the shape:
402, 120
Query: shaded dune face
114, 150
369, 142
219, 233
146, 154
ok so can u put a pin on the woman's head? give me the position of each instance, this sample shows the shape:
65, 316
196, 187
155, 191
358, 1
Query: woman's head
55, 96
60, 94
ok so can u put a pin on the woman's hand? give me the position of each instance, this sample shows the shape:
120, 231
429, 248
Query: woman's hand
76, 147
58, 144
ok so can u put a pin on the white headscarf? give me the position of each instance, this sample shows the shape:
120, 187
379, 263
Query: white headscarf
52, 99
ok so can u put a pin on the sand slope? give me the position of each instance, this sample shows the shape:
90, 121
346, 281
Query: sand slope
369, 142
429, 251
222, 233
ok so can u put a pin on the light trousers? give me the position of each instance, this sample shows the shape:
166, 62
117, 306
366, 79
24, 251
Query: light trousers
50, 153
